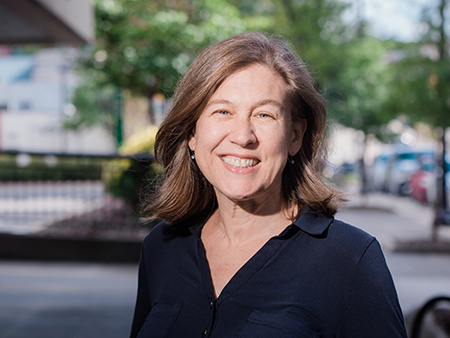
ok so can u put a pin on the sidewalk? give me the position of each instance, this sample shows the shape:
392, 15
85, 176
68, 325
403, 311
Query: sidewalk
393, 220
66, 300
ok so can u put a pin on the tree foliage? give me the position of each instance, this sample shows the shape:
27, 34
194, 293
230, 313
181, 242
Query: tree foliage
364, 86
423, 91
144, 47
94, 105
423, 74
348, 64
316, 29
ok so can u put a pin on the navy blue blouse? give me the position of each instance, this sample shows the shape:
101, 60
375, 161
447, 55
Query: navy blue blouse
319, 278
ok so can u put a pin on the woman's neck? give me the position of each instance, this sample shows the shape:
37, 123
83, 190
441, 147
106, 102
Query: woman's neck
240, 221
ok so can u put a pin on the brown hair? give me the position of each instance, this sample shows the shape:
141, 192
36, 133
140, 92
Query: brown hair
184, 191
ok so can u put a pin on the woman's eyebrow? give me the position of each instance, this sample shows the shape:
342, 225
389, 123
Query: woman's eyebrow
269, 102
258, 104
218, 101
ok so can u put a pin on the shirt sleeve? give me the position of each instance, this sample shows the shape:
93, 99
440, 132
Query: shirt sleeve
372, 308
143, 306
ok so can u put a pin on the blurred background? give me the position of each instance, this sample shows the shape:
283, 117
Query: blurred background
84, 85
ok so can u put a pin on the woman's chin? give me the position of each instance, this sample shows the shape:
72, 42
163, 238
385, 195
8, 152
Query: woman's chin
235, 196
244, 196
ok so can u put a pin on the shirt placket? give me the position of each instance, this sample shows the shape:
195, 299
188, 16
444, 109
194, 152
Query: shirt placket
238, 280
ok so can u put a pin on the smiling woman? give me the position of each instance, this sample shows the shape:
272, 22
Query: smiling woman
241, 142
249, 246
184, 191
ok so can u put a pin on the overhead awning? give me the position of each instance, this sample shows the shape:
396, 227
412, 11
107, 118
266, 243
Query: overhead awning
46, 21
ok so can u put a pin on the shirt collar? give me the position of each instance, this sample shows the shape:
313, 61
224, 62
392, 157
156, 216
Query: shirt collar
310, 222
313, 223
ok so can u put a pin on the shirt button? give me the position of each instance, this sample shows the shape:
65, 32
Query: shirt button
204, 332
211, 305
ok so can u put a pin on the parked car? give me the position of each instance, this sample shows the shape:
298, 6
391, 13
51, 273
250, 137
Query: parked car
401, 166
423, 182
377, 173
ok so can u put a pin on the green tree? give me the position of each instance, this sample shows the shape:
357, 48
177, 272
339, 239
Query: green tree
423, 78
144, 47
364, 85
318, 33
349, 65
423, 75
94, 105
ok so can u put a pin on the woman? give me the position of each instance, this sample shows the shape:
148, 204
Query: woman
249, 246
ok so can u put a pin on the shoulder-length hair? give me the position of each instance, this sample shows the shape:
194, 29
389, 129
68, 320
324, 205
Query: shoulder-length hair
183, 191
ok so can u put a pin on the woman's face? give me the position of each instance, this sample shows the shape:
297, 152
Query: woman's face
245, 134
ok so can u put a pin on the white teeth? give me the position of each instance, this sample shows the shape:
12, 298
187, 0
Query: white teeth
239, 163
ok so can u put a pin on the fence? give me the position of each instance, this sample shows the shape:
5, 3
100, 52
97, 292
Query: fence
72, 195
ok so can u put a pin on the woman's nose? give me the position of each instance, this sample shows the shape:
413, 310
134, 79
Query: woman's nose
243, 133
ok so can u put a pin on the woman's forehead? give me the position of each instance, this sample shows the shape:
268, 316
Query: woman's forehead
256, 79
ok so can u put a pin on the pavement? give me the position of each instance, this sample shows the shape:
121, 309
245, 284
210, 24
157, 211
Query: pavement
393, 220
59, 300
48, 299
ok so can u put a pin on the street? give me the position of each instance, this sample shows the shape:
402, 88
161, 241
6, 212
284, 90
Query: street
54, 300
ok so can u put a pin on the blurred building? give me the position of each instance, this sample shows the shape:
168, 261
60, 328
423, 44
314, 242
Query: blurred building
35, 90
46, 21
35, 93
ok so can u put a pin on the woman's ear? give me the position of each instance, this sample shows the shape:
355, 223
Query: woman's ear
192, 141
298, 131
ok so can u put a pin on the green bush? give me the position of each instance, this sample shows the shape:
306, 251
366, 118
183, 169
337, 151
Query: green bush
126, 178
56, 169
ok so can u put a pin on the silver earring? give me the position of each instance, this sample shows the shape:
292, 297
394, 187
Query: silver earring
291, 159
193, 156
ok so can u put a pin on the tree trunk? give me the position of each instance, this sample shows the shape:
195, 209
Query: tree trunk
152, 89
363, 173
118, 110
444, 171
441, 207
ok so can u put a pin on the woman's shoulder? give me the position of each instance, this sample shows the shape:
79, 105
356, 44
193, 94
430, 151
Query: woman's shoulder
349, 232
155, 236
351, 243
331, 237
318, 225
156, 231
167, 233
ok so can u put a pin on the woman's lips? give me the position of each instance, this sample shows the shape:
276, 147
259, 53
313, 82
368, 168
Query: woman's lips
240, 163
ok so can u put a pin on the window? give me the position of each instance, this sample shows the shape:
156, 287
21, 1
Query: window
24, 105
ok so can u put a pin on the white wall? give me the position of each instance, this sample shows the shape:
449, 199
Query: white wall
42, 97
42, 132
47, 87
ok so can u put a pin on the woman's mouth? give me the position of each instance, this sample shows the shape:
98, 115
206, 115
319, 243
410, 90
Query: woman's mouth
239, 163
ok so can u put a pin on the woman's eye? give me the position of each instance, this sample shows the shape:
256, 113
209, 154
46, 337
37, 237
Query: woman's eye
263, 115
223, 112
